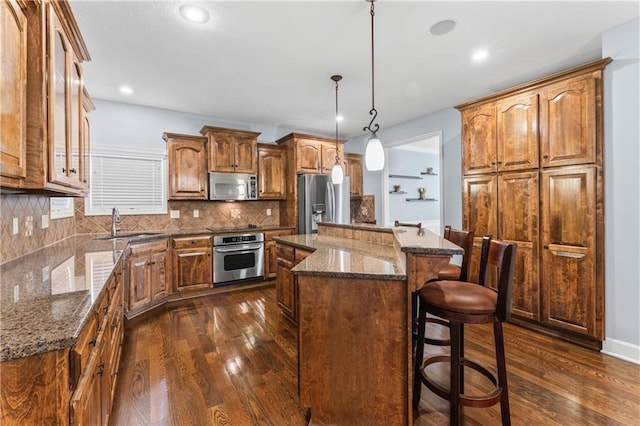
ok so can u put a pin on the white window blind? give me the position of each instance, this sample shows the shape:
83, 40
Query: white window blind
134, 184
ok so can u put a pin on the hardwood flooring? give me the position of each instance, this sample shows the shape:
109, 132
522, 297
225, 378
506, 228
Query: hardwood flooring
230, 359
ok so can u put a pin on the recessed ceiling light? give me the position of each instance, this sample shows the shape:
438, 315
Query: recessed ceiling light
442, 27
339, 118
126, 90
194, 13
480, 55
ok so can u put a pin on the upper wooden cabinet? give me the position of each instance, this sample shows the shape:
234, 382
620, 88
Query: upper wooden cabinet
517, 133
353, 169
232, 150
271, 172
569, 120
13, 102
55, 97
187, 166
313, 154
479, 139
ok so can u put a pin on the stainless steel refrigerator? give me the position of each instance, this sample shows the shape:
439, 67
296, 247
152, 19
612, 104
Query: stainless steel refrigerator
319, 200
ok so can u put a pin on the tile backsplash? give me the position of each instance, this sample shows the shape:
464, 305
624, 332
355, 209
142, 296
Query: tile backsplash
28, 210
210, 215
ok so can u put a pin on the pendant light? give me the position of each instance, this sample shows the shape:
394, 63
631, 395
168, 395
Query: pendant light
337, 174
374, 154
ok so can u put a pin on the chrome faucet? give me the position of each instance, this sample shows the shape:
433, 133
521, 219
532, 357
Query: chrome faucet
115, 220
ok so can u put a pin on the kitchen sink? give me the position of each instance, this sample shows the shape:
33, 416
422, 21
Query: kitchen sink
128, 236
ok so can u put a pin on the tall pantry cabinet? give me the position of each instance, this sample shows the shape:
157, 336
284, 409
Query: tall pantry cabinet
532, 175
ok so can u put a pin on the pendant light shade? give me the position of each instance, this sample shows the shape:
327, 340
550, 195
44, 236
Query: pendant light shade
374, 153
337, 174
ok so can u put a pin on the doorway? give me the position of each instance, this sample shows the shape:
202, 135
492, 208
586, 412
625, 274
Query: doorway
412, 186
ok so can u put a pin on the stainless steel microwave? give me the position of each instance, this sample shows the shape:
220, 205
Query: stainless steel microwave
233, 186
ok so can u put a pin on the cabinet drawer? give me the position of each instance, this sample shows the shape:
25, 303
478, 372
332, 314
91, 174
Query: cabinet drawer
192, 242
152, 246
101, 309
301, 255
82, 349
270, 235
286, 252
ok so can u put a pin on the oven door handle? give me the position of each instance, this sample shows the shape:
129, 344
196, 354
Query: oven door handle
245, 248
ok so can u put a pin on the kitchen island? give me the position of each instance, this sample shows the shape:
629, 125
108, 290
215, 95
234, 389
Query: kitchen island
354, 322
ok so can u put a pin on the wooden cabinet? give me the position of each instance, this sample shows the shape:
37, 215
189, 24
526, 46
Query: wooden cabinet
271, 172
187, 166
354, 171
573, 297
541, 188
313, 154
146, 273
85, 139
13, 103
232, 150
271, 252
55, 96
286, 282
193, 263
95, 358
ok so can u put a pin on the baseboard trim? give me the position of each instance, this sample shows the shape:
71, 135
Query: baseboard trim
622, 350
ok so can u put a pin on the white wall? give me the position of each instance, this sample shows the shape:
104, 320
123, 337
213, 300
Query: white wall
622, 190
447, 121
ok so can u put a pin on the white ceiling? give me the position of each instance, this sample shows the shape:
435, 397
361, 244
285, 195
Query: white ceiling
270, 63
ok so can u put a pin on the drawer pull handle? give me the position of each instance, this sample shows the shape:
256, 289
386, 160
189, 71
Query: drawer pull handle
93, 342
568, 254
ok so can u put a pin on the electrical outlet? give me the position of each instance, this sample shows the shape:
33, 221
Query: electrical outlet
46, 273
45, 221
268, 212
196, 213
16, 226
28, 224
174, 214
16, 293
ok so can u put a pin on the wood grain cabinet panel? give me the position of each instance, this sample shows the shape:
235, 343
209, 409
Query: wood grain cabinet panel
13, 103
572, 300
308, 156
480, 213
569, 116
517, 132
192, 263
271, 172
479, 139
187, 167
329, 153
148, 275
353, 169
231, 150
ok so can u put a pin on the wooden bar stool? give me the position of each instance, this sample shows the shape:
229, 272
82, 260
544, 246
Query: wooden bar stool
452, 271
462, 303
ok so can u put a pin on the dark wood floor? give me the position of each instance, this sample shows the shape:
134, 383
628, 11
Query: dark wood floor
230, 359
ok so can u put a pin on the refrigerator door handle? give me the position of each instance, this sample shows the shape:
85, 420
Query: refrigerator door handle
330, 202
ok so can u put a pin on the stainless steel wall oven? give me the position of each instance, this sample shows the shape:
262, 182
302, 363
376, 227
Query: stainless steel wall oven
237, 258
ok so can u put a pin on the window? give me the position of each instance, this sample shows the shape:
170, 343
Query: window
132, 182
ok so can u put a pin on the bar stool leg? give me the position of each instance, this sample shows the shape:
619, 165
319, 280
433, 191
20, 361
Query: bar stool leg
417, 370
461, 357
454, 415
502, 373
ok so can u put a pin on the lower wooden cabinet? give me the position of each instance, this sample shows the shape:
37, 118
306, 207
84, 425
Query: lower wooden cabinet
95, 359
193, 263
147, 272
286, 282
271, 252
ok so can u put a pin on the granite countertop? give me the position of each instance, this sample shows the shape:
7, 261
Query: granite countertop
346, 257
46, 296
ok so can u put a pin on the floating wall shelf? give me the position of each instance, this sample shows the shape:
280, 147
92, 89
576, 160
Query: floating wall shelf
405, 177
420, 199
398, 192
428, 174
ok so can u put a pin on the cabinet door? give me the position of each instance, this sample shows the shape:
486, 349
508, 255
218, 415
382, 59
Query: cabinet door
270, 260
187, 170
245, 155
86, 402
572, 297
75, 116
85, 146
139, 281
271, 173
329, 153
193, 269
479, 140
479, 214
285, 288
517, 132
59, 102
222, 153
568, 122
13, 84
518, 223
354, 171
159, 282
308, 156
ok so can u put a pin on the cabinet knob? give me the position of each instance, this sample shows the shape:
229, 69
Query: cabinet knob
493, 163
101, 369
74, 171
545, 247
93, 342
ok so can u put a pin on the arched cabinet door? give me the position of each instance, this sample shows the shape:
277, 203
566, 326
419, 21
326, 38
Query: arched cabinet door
187, 167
